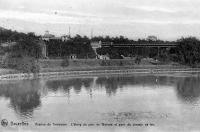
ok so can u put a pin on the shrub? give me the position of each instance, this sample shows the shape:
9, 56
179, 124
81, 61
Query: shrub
121, 63
65, 63
138, 59
23, 64
188, 50
105, 63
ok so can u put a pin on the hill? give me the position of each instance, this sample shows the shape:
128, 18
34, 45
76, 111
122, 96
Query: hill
9, 35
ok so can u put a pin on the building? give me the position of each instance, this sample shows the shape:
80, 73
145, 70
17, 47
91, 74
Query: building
103, 57
152, 38
65, 38
96, 44
73, 56
47, 36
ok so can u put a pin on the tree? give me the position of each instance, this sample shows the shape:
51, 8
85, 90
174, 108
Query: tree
23, 56
27, 47
188, 50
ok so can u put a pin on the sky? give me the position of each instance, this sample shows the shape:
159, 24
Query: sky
166, 19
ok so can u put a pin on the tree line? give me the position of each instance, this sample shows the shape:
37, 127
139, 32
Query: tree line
75, 45
187, 50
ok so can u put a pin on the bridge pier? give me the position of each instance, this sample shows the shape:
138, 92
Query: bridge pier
158, 52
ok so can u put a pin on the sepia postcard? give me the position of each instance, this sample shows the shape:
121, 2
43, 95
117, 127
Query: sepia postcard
99, 65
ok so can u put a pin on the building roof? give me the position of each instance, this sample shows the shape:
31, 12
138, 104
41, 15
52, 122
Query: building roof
48, 35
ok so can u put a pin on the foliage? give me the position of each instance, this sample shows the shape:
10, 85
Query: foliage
65, 63
121, 63
27, 47
105, 63
138, 59
23, 64
24, 54
188, 50
77, 45
115, 53
9, 35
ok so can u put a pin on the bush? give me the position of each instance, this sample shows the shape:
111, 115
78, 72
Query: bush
121, 63
138, 59
105, 63
23, 64
65, 63
188, 50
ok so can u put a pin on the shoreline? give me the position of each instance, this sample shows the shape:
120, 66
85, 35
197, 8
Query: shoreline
25, 76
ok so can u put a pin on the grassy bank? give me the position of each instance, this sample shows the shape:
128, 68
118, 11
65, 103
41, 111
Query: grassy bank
76, 68
93, 64
60, 74
62, 65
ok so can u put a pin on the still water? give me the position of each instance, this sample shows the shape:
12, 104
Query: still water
165, 103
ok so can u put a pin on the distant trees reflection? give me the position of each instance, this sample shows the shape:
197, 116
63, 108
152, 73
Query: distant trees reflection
188, 88
66, 85
25, 96
111, 84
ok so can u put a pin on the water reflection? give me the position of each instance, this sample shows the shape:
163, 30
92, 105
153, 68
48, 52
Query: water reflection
188, 88
66, 85
111, 84
25, 96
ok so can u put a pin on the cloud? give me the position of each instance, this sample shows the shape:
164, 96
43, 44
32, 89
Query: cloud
105, 13
44, 18
152, 8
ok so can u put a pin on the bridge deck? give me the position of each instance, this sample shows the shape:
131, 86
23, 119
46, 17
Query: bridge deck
138, 45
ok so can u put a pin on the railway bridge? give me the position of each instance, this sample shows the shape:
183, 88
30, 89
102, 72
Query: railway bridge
100, 44
158, 45
141, 46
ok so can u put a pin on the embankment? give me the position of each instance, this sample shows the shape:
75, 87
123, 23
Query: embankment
61, 68
22, 76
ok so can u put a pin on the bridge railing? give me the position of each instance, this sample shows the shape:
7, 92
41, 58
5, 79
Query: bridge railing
139, 45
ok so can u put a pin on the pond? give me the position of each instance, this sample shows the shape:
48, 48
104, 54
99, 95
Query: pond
102, 103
